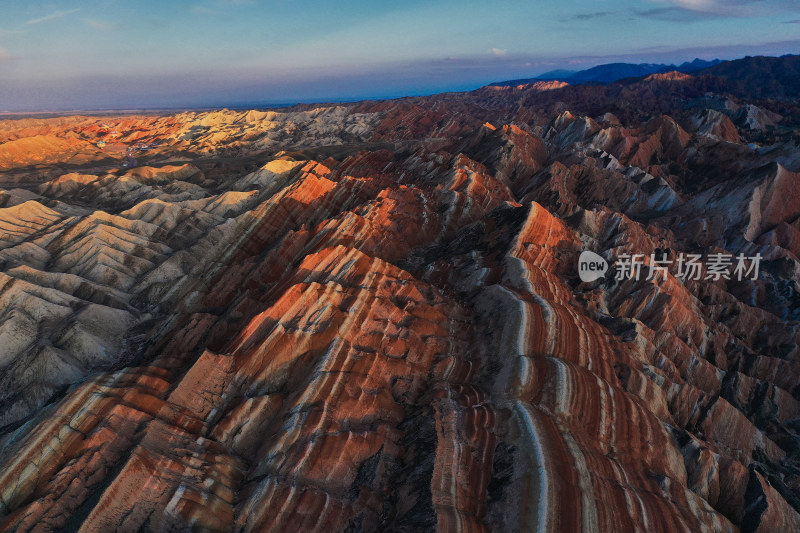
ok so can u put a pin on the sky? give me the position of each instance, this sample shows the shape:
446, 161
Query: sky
114, 54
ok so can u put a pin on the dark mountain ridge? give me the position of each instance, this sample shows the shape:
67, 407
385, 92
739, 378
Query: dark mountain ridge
611, 72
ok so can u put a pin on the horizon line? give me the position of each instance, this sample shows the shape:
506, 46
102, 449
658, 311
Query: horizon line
322, 101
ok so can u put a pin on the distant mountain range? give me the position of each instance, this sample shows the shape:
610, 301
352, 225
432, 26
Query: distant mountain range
612, 72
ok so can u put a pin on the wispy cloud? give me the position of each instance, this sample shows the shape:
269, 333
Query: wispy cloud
677, 14
99, 24
797, 21
588, 16
52, 16
498, 52
695, 5
691, 10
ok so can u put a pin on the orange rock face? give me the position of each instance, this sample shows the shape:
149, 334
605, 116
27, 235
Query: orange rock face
370, 318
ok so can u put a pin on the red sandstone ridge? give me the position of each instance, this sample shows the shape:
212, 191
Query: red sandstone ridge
536, 86
369, 317
669, 76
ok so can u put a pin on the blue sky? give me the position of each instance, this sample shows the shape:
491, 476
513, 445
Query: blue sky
115, 54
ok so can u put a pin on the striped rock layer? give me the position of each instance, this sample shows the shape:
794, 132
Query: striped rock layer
369, 318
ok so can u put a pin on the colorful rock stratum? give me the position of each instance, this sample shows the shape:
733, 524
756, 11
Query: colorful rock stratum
368, 317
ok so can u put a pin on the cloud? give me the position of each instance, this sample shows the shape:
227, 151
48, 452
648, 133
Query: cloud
54, 15
589, 16
691, 10
676, 14
695, 5
792, 21
99, 24
499, 52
